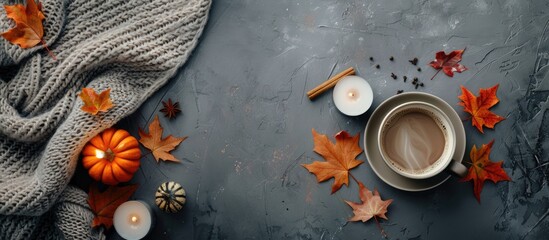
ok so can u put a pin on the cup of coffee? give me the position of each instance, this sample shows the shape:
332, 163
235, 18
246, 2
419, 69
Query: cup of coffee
417, 140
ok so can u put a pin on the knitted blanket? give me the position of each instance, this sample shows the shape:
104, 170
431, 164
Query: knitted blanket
132, 47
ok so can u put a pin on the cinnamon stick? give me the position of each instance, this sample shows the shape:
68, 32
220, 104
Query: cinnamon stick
330, 83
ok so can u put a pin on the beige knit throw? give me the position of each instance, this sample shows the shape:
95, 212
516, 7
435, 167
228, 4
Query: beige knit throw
132, 47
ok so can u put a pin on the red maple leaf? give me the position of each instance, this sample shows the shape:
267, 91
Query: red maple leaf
448, 63
103, 204
479, 107
483, 169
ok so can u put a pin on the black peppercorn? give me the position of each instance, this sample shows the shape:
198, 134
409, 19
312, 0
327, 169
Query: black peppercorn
371, 58
393, 76
421, 84
400, 91
392, 58
417, 85
419, 69
377, 66
404, 77
413, 61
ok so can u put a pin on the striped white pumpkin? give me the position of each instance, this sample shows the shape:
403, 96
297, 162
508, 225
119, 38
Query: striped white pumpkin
170, 197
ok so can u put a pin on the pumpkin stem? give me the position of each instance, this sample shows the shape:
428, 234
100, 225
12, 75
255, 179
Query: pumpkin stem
109, 155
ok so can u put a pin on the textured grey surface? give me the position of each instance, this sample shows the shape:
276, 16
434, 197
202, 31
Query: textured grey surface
249, 121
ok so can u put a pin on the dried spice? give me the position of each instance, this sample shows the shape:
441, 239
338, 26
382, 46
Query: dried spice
393, 76
377, 66
405, 78
372, 59
419, 69
400, 91
170, 109
391, 58
413, 61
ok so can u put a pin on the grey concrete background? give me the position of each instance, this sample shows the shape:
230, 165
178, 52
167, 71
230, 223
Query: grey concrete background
249, 121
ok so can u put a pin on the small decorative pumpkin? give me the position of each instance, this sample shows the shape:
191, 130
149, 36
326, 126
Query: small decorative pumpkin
112, 156
170, 197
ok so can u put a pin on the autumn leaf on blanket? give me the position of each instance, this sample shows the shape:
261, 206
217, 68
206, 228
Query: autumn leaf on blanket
482, 169
103, 204
448, 63
479, 107
371, 206
95, 103
28, 31
159, 147
340, 158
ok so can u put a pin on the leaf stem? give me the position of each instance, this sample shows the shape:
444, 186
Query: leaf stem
357, 182
47, 49
436, 74
146, 154
383, 233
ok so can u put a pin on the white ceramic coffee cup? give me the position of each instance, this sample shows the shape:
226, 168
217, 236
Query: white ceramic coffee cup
444, 162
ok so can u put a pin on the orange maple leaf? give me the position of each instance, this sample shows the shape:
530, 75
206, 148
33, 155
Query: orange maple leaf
371, 206
340, 158
483, 169
103, 204
95, 103
159, 147
28, 31
479, 107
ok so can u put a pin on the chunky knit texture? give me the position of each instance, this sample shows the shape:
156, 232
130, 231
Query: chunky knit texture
132, 47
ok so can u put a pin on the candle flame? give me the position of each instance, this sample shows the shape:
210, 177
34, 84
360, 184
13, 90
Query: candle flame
353, 94
134, 219
99, 153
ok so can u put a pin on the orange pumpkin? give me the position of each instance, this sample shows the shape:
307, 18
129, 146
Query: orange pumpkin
112, 156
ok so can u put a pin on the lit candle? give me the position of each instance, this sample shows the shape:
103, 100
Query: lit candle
353, 95
133, 220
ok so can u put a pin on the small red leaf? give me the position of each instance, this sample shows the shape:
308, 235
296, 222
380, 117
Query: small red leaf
448, 63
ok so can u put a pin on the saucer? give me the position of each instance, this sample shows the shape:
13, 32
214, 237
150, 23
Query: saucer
373, 155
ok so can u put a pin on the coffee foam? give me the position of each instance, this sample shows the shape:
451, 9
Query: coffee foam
412, 143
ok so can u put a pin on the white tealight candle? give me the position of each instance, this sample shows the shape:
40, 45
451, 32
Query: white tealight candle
133, 220
353, 95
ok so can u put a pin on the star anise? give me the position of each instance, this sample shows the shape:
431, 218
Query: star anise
170, 109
